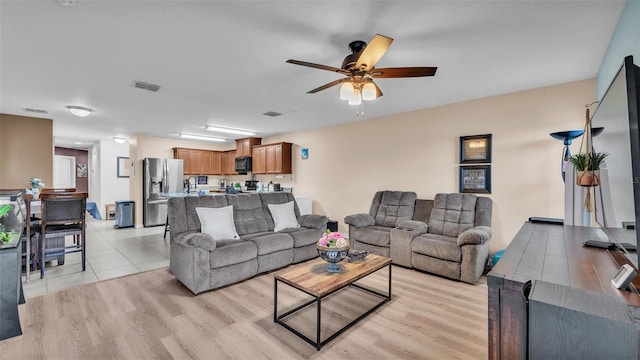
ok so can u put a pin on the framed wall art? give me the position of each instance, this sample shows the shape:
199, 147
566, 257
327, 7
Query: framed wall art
124, 167
475, 179
475, 149
304, 153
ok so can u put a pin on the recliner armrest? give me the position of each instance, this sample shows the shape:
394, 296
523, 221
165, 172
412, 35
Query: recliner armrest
195, 239
360, 220
475, 236
313, 221
412, 225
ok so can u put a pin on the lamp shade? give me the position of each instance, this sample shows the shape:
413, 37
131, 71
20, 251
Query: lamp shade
356, 98
346, 90
369, 91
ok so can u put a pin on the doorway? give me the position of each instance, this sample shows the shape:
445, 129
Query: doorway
64, 171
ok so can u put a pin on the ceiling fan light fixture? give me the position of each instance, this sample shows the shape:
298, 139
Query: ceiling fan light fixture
79, 111
229, 130
346, 90
201, 137
356, 98
369, 91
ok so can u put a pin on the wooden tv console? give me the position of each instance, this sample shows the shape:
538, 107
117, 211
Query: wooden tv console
554, 254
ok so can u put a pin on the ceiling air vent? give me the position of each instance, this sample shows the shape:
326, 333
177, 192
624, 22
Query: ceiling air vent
146, 86
272, 113
37, 111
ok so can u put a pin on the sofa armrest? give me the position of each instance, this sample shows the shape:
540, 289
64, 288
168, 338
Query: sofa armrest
360, 220
475, 236
412, 225
195, 239
313, 221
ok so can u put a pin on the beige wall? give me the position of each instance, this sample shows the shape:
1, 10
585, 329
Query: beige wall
419, 151
26, 150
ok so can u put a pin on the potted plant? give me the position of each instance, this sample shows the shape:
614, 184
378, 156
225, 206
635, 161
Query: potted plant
588, 167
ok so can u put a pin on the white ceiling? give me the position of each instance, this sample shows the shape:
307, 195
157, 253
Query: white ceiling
223, 62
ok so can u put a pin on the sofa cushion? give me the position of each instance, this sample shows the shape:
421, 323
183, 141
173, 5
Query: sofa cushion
248, 213
192, 202
452, 214
277, 198
437, 246
269, 242
283, 216
304, 236
218, 222
230, 252
388, 208
374, 235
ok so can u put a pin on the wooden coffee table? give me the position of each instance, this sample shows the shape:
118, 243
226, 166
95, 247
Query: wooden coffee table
310, 278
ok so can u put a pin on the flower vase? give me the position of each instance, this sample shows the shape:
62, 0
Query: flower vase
36, 193
333, 256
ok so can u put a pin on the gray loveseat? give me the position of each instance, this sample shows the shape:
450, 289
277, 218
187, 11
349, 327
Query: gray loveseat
447, 236
202, 263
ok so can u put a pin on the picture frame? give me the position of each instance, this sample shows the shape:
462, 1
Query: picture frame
123, 167
81, 170
475, 149
475, 179
304, 153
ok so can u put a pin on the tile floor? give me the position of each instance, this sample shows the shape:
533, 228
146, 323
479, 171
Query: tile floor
111, 253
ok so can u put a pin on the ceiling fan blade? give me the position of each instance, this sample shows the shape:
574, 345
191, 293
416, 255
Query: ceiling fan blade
326, 86
373, 52
402, 72
317, 66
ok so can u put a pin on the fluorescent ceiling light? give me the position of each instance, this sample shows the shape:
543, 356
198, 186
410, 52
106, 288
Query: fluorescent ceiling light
200, 137
79, 110
119, 140
229, 131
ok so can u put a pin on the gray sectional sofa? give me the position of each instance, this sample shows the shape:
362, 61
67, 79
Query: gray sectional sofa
203, 263
447, 236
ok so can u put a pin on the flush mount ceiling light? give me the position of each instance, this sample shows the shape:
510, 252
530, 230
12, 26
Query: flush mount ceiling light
79, 110
200, 137
119, 140
229, 130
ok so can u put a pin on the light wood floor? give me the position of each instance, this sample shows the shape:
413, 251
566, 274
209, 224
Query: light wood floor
151, 315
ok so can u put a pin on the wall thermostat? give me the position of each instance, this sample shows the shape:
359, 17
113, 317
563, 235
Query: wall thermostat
623, 277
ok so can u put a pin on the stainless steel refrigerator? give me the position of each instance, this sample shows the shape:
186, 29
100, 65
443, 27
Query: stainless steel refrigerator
161, 176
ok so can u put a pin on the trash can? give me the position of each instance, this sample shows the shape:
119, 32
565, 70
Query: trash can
124, 214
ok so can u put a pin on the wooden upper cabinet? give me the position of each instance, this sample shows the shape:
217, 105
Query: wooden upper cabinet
184, 155
195, 162
206, 161
216, 163
228, 160
199, 162
259, 161
272, 158
243, 146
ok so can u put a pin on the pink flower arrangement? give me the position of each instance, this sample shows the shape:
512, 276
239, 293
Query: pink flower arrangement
333, 240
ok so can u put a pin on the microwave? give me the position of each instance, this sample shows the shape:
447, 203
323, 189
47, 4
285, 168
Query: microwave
243, 164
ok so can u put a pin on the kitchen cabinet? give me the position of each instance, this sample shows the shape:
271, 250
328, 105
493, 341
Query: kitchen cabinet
244, 146
182, 154
216, 163
228, 162
272, 158
259, 160
199, 162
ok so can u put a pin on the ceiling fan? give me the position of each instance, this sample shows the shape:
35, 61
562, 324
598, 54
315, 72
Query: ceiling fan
359, 70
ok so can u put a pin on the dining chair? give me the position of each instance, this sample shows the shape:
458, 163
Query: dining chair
62, 214
56, 190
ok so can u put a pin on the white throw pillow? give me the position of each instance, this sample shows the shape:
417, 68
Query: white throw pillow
218, 222
283, 216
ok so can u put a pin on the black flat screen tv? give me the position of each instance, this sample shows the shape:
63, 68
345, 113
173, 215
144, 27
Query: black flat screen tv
617, 198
